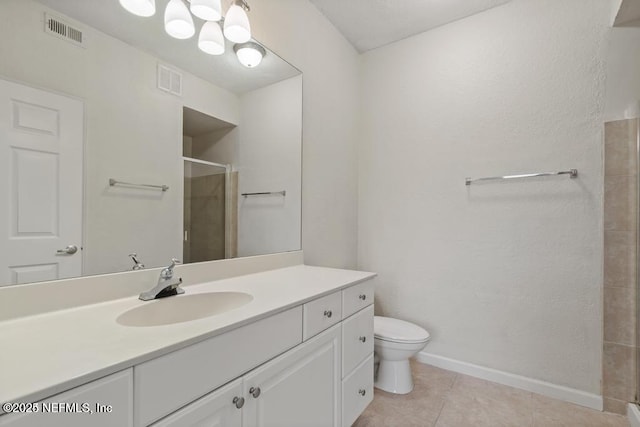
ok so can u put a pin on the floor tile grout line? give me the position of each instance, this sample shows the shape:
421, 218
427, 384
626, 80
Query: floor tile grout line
446, 398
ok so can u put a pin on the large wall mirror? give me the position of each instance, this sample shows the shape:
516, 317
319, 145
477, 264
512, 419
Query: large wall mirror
117, 139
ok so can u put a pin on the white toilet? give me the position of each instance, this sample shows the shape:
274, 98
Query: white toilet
395, 342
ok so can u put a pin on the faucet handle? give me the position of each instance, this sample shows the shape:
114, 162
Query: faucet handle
167, 272
137, 265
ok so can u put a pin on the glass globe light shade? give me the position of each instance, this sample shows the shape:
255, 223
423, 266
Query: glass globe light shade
249, 54
178, 22
236, 25
143, 8
207, 10
211, 40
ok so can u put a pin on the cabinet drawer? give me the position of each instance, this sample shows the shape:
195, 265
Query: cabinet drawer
215, 409
357, 339
169, 382
321, 314
357, 297
357, 392
115, 390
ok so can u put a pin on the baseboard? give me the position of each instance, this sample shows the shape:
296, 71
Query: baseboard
633, 412
554, 391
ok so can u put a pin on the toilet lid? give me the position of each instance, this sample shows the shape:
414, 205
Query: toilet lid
388, 329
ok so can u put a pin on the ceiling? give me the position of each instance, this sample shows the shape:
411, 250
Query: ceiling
629, 14
369, 24
148, 34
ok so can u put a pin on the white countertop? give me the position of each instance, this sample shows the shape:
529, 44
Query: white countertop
45, 354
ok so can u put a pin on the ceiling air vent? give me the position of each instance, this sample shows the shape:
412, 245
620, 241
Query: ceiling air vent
61, 29
169, 80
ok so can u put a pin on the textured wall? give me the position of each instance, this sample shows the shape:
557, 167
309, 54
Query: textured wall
300, 33
504, 275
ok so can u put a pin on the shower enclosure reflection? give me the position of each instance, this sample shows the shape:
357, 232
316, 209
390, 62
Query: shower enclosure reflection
133, 127
209, 221
210, 211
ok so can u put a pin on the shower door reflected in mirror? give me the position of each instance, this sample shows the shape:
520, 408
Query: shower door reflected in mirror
210, 222
132, 129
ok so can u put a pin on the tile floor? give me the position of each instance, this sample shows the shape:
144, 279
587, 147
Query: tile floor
447, 399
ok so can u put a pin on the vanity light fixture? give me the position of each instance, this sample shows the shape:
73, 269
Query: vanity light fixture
143, 8
178, 22
236, 23
211, 40
249, 54
207, 10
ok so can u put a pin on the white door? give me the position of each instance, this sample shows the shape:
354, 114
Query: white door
41, 138
301, 388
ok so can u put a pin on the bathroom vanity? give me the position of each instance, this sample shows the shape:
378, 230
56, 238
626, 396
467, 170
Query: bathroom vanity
299, 352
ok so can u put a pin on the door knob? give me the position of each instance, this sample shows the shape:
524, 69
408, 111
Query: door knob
254, 391
363, 339
69, 250
328, 314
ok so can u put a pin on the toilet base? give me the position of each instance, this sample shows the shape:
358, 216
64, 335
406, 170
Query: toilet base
394, 376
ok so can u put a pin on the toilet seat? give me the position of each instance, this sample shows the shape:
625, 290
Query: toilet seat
399, 331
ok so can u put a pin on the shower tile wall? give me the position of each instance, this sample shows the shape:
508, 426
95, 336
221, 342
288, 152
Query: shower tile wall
204, 216
207, 218
620, 228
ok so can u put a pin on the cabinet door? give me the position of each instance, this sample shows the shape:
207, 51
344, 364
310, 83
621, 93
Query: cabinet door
222, 408
167, 383
105, 402
357, 339
299, 388
357, 391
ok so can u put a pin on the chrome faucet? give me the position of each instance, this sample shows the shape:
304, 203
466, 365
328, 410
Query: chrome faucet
137, 265
166, 287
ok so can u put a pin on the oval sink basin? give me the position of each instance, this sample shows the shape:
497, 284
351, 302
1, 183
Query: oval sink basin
183, 308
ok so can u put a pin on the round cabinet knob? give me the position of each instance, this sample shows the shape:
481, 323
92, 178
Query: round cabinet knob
362, 392
328, 313
254, 391
238, 401
363, 297
363, 339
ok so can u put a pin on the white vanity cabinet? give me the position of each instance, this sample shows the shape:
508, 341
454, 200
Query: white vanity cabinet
310, 365
222, 408
87, 405
299, 388
327, 381
167, 383
357, 350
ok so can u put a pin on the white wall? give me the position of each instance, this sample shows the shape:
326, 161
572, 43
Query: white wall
504, 275
133, 132
623, 72
297, 31
269, 159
